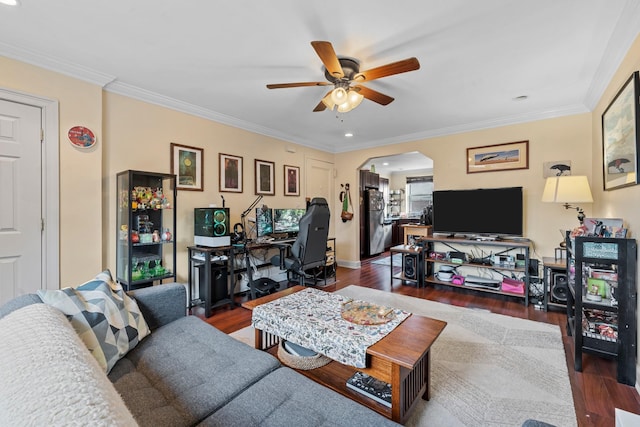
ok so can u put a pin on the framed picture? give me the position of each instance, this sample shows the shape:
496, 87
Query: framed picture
186, 164
620, 143
291, 180
230, 173
500, 157
265, 178
556, 168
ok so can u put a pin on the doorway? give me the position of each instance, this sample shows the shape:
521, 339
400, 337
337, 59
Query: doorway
29, 226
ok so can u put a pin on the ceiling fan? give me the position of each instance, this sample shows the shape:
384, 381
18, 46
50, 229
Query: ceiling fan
345, 76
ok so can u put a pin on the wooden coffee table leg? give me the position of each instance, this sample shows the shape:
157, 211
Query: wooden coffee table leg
427, 376
258, 339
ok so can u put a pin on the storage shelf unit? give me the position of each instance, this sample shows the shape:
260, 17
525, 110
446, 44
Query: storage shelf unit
604, 269
145, 227
512, 248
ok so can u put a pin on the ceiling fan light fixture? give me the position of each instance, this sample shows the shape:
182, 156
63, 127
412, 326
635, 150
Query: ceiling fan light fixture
354, 98
339, 96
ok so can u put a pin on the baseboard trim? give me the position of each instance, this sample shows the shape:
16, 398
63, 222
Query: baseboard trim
350, 264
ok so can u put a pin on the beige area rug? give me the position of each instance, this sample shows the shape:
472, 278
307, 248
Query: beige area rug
487, 369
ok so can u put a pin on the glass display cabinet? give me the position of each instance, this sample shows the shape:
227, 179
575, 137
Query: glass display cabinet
145, 227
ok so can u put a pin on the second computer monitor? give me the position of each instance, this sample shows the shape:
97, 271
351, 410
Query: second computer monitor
287, 220
264, 222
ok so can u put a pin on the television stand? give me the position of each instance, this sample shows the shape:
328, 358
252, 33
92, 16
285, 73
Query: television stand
518, 249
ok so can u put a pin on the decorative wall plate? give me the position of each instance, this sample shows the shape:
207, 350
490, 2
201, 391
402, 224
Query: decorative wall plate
81, 137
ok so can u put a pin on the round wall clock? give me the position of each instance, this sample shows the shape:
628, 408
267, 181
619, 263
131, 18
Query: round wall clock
82, 137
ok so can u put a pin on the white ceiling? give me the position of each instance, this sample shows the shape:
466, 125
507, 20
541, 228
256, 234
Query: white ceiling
213, 59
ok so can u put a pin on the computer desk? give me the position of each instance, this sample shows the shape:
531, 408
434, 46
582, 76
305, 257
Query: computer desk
246, 250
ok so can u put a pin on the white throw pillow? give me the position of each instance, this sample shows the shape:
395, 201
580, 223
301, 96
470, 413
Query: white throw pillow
107, 320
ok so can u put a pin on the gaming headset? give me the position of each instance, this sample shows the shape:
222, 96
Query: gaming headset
238, 233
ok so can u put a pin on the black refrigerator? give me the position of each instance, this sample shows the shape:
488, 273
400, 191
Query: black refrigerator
374, 221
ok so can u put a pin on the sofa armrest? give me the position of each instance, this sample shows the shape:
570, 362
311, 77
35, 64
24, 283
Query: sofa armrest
161, 304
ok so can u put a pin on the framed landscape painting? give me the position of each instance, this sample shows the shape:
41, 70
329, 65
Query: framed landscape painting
620, 142
230, 173
186, 164
500, 157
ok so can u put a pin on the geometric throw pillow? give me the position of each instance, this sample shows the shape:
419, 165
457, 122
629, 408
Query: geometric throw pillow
108, 321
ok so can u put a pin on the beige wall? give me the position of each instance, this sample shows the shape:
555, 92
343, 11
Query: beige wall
624, 202
553, 139
80, 170
139, 136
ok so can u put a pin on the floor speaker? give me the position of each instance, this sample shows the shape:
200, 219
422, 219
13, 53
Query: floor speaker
410, 266
219, 289
559, 288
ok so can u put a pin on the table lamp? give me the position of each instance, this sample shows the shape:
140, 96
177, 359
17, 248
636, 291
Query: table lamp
567, 190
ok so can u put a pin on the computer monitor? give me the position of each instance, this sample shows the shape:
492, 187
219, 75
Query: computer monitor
264, 222
287, 220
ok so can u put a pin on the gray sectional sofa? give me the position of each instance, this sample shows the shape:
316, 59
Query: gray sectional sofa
185, 372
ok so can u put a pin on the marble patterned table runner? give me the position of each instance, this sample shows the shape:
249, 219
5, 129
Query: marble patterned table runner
312, 318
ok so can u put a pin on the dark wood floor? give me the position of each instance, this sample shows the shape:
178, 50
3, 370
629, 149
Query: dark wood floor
595, 390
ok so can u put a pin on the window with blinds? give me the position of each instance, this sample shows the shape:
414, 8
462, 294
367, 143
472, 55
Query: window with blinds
419, 193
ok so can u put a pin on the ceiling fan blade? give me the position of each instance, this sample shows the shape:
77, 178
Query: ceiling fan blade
320, 107
329, 58
325, 103
301, 84
374, 95
410, 64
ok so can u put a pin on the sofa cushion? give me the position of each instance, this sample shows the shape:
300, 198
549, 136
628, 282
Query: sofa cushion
107, 320
286, 398
49, 377
186, 370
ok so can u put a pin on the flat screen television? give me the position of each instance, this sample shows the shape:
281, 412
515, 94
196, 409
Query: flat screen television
481, 212
287, 220
264, 221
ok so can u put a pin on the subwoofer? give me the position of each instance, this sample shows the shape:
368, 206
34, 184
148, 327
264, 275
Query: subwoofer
410, 266
559, 289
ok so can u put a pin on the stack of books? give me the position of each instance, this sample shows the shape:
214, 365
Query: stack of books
371, 387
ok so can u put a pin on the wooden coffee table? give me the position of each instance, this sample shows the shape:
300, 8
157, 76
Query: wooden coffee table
402, 359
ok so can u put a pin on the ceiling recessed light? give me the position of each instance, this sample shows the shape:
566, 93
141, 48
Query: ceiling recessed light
348, 134
385, 164
521, 98
9, 2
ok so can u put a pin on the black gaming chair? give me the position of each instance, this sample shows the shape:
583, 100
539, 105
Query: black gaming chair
310, 248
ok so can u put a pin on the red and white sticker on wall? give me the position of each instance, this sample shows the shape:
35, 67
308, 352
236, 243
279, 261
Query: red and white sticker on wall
82, 137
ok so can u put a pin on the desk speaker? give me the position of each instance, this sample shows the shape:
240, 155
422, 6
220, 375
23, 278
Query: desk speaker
559, 289
410, 266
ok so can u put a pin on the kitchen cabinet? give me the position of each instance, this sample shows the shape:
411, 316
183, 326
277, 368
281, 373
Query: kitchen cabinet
369, 179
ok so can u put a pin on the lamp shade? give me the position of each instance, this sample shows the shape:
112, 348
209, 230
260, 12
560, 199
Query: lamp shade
567, 189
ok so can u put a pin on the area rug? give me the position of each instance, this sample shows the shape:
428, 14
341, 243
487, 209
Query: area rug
487, 369
397, 260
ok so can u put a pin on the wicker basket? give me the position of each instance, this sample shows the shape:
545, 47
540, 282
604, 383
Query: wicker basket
299, 362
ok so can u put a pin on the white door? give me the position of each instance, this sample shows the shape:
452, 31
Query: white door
319, 183
20, 199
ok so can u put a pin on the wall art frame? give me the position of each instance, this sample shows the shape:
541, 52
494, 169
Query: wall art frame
291, 180
231, 173
498, 157
620, 137
186, 165
265, 177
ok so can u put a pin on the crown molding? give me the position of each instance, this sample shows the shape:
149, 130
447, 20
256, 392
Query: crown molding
48, 62
135, 92
469, 127
623, 36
